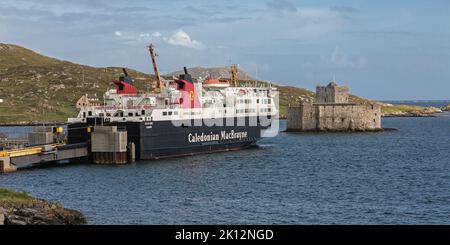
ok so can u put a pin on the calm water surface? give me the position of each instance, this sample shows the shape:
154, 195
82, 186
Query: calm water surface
400, 177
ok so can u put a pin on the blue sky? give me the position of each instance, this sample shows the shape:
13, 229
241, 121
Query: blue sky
381, 49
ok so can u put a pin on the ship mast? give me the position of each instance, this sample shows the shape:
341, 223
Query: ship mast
153, 55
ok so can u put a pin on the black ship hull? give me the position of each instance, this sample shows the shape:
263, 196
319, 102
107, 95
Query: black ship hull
162, 139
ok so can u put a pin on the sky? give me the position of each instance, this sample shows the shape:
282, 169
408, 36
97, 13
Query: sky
381, 49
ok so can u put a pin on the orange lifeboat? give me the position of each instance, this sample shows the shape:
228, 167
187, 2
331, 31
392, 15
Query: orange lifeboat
215, 83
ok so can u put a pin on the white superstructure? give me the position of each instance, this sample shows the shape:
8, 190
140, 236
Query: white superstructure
174, 103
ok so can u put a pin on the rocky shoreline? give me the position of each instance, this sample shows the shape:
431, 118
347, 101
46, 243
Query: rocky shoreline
409, 115
342, 131
21, 209
413, 112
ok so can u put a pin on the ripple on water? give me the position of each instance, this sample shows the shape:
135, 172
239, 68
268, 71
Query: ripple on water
399, 177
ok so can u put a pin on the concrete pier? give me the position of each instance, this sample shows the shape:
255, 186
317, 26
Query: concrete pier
41, 135
109, 146
14, 159
6, 166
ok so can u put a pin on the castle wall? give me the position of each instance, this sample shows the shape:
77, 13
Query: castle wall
334, 117
302, 118
341, 94
309, 117
294, 118
342, 117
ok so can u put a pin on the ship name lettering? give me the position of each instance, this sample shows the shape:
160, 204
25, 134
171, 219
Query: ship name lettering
224, 135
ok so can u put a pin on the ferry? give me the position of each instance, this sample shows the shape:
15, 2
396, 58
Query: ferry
182, 116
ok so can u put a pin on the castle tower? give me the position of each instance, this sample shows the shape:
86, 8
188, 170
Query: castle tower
332, 93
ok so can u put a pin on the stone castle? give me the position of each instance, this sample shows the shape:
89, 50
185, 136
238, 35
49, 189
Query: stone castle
332, 111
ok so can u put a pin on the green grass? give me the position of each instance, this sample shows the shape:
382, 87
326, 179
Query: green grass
10, 196
30, 85
402, 109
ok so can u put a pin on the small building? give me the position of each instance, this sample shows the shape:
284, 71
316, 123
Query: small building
332, 111
85, 101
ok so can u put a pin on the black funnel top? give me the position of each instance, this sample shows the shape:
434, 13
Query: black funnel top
186, 76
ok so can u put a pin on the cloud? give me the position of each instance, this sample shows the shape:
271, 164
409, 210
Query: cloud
382, 33
228, 19
134, 38
195, 10
143, 35
341, 60
156, 34
281, 5
181, 38
149, 36
343, 9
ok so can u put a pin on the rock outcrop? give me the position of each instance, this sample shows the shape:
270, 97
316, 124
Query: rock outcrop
423, 112
446, 108
34, 211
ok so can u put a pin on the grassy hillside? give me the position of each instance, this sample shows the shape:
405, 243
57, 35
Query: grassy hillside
408, 110
37, 88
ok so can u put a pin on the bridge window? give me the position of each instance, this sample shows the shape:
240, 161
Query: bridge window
164, 113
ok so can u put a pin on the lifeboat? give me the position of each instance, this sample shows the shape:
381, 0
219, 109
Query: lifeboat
215, 83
